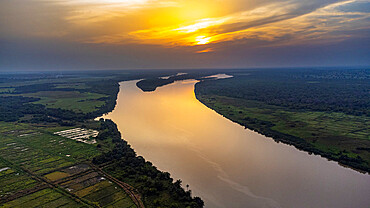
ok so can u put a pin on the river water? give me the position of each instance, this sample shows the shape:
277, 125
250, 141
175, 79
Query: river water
225, 164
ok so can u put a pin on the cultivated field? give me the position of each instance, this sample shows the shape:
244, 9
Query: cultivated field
41, 169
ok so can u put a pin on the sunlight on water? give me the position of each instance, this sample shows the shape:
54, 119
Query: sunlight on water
225, 164
220, 76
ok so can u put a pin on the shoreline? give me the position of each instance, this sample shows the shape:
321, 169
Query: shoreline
298, 143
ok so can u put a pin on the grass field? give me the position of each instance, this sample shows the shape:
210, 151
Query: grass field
13, 179
64, 82
69, 93
7, 90
98, 189
69, 100
43, 198
337, 134
39, 151
77, 85
24, 142
56, 175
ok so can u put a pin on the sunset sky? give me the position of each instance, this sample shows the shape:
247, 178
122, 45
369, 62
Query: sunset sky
136, 34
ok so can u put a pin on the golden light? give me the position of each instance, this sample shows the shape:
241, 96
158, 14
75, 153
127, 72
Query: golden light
107, 2
205, 51
192, 10
186, 24
202, 39
201, 24
168, 23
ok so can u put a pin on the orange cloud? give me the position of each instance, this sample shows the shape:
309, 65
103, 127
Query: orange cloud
179, 23
205, 50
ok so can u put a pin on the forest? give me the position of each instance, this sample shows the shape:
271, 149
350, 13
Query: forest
151, 84
344, 91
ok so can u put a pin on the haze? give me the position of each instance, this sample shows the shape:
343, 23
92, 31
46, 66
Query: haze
140, 34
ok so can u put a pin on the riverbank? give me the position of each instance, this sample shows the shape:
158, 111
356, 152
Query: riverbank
150, 85
334, 135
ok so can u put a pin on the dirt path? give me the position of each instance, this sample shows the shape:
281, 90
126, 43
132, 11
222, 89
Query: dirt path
134, 195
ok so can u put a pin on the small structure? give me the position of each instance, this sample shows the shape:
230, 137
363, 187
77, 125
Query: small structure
79, 134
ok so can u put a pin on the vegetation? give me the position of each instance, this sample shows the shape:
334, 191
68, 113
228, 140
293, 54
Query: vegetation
43, 198
36, 161
70, 100
151, 84
48, 102
13, 108
324, 112
41, 169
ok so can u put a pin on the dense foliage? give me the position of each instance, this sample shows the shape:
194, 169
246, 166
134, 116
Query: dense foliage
320, 90
151, 84
13, 108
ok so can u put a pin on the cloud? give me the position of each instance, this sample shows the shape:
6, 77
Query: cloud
144, 32
93, 11
207, 50
271, 24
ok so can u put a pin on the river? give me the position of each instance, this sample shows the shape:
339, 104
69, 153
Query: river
225, 164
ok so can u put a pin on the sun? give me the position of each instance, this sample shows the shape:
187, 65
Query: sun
202, 39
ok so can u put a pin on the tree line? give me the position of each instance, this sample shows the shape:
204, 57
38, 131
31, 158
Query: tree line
344, 91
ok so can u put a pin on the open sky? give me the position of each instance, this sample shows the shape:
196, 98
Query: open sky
129, 34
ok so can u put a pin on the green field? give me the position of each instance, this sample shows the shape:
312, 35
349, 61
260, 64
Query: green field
44, 198
73, 93
14, 179
76, 85
69, 100
6, 90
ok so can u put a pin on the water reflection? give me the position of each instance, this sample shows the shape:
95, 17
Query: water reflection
222, 162
220, 76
